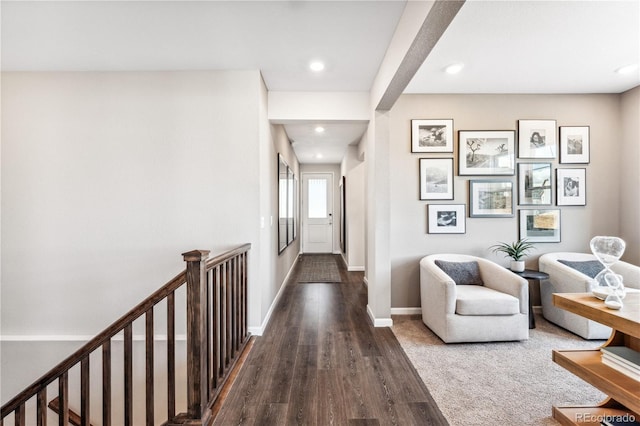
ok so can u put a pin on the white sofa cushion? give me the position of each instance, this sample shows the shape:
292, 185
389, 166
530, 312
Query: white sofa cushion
479, 300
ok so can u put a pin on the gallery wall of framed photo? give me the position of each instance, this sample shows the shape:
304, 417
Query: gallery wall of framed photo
536, 168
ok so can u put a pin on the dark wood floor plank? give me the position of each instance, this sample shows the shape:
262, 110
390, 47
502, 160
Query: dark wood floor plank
241, 408
321, 362
332, 409
271, 414
283, 366
302, 408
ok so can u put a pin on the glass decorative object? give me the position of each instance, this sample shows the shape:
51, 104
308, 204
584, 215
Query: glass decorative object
608, 250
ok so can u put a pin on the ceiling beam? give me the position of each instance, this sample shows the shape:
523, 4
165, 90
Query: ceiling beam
438, 19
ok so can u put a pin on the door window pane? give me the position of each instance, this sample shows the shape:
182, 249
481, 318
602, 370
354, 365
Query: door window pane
318, 199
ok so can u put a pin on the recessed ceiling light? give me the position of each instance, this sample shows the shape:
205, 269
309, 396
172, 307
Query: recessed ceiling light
319, 129
627, 69
316, 66
318, 156
454, 68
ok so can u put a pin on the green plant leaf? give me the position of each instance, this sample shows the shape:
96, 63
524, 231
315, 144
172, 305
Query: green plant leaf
516, 250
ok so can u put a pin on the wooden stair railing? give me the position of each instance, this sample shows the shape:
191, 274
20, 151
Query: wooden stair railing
216, 336
74, 418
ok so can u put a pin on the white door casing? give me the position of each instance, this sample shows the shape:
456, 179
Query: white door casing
317, 213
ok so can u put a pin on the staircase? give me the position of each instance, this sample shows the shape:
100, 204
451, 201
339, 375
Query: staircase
208, 299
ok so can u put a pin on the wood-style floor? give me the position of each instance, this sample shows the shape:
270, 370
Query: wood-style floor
320, 362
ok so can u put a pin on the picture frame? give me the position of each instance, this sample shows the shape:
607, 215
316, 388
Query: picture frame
490, 198
446, 218
432, 135
571, 187
486, 152
534, 184
283, 189
540, 225
537, 139
574, 145
287, 204
290, 205
436, 178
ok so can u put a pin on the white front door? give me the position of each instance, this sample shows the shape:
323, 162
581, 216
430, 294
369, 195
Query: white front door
317, 213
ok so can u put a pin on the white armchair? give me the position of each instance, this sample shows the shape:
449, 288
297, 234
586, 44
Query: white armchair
566, 279
497, 310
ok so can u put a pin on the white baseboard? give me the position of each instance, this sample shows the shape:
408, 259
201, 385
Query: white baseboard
259, 331
365, 281
355, 269
406, 311
418, 311
379, 322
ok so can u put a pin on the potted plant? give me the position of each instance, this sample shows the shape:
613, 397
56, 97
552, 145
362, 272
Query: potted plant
516, 251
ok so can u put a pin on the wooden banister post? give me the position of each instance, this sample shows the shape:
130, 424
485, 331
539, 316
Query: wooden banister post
197, 400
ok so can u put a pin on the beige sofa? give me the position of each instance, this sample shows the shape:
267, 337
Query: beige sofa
497, 310
566, 279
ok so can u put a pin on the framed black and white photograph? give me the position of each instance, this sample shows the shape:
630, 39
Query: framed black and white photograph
490, 198
534, 184
574, 144
432, 135
571, 187
540, 226
486, 152
446, 218
537, 139
436, 178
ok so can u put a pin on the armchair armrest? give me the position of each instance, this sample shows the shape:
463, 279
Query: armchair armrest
564, 278
437, 287
503, 280
629, 272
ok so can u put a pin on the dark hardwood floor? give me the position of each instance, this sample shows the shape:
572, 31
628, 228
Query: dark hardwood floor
320, 362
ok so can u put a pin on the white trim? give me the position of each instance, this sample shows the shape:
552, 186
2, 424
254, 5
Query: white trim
304, 201
259, 331
80, 337
406, 311
355, 268
365, 281
379, 322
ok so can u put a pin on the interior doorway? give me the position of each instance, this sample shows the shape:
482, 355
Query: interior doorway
317, 212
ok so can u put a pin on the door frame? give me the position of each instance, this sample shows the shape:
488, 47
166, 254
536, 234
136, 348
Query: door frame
304, 206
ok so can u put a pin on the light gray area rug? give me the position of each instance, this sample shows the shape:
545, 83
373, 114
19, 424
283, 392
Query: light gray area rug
509, 383
318, 268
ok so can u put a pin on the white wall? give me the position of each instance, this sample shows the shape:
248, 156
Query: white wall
108, 177
629, 157
283, 262
409, 239
353, 169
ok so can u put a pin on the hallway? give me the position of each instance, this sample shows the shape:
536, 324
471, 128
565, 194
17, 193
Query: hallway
320, 362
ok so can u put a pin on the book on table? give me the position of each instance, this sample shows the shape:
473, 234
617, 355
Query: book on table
626, 420
623, 359
623, 354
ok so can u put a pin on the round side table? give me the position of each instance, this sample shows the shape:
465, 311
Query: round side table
531, 274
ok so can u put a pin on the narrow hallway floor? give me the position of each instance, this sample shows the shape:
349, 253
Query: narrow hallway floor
320, 362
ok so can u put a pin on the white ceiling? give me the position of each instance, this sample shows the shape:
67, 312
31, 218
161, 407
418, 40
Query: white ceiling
516, 46
536, 47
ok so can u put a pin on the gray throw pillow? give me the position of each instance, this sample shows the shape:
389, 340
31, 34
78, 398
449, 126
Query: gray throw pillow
462, 273
590, 268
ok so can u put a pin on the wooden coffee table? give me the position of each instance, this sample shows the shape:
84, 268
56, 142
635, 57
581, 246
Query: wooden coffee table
623, 391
